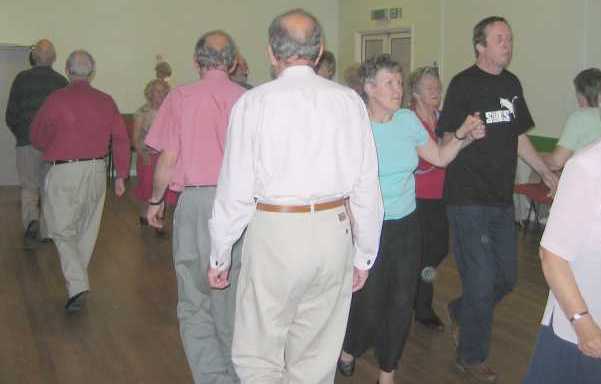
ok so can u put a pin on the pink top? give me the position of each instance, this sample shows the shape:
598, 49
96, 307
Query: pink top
429, 179
77, 122
192, 123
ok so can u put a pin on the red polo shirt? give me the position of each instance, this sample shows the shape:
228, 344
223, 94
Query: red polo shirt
78, 122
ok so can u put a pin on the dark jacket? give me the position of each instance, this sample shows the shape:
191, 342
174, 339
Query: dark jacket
27, 94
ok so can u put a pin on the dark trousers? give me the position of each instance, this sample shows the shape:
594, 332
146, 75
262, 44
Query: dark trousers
434, 225
485, 250
557, 361
381, 312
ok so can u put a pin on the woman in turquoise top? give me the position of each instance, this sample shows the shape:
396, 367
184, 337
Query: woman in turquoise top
381, 312
584, 125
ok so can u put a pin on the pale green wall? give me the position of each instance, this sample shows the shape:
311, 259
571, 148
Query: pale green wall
553, 41
548, 50
125, 35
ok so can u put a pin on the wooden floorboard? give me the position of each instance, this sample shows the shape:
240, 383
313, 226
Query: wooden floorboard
128, 331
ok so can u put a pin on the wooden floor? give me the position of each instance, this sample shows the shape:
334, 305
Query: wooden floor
128, 331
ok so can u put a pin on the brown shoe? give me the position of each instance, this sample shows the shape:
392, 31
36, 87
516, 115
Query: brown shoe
453, 326
479, 372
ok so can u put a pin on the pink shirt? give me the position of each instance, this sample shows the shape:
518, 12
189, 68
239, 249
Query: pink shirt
192, 123
78, 122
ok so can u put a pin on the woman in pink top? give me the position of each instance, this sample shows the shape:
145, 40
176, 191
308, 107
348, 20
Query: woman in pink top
155, 93
425, 95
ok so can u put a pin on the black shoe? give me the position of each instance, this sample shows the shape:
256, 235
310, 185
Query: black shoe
480, 372
75, 303
346, 369
143, 221
433, 323
31, 234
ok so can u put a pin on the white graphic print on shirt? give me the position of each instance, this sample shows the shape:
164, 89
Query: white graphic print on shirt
502, 115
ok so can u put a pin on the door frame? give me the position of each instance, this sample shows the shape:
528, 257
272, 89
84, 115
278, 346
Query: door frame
358, 51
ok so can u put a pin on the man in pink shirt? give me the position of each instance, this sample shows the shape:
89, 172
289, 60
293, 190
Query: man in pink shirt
73, 129
189, 132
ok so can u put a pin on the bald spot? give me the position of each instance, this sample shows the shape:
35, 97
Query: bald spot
43, 52
217, 41
298, 26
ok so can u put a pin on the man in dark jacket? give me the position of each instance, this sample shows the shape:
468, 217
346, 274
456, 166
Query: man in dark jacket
29, 90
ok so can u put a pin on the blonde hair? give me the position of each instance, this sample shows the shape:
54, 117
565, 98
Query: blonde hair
415, 79
152, 84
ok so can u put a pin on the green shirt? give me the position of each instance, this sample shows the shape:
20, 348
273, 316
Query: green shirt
582, 128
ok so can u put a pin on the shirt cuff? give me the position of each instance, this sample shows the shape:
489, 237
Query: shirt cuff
363, 261
221, 260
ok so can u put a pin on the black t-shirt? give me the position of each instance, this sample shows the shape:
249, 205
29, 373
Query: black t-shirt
483, 173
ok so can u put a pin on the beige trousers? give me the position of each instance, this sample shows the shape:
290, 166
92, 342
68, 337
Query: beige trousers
74, 199
31, 170
293, 297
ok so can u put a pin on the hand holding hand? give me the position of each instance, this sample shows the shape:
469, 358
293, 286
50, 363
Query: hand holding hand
551, 180
473, 127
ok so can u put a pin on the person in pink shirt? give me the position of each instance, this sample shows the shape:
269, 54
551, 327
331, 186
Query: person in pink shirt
189, 131
73, 129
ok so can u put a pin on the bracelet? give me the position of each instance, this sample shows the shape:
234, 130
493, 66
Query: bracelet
157, 202
578, 316
457, 137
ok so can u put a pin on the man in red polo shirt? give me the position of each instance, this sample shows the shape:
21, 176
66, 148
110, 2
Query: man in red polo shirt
73, 129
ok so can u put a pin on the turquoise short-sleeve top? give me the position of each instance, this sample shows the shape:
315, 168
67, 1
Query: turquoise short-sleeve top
397, 141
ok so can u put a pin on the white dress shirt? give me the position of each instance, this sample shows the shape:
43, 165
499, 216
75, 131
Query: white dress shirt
299, 139
573, 232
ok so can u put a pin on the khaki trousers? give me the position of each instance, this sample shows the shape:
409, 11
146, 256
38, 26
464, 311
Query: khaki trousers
31, 170
293, 299
74, 200
206, 316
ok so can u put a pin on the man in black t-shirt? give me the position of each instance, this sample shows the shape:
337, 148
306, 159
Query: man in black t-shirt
479, 189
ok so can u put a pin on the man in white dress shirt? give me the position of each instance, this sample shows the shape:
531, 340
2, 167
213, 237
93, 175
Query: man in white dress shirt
299, 151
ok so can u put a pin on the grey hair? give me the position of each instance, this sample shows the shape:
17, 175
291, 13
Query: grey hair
369, 69
285, 44
80, 63
415, 79
208, 57
327, 60
588, 85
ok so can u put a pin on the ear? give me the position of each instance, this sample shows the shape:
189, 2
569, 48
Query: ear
368, 88
232, 68
195, 64
272, 58
480, 48
319, 56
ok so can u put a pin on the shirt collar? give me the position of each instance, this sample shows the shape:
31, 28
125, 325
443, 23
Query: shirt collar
215, 74
79, 83
297, 70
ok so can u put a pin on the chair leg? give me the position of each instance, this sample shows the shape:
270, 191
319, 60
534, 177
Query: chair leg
530, 209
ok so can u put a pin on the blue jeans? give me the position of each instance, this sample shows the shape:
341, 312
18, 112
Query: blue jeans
485, 250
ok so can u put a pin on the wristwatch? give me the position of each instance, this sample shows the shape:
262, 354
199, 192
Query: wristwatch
578, 316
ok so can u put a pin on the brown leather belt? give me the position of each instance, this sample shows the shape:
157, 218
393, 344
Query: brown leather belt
301, 208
